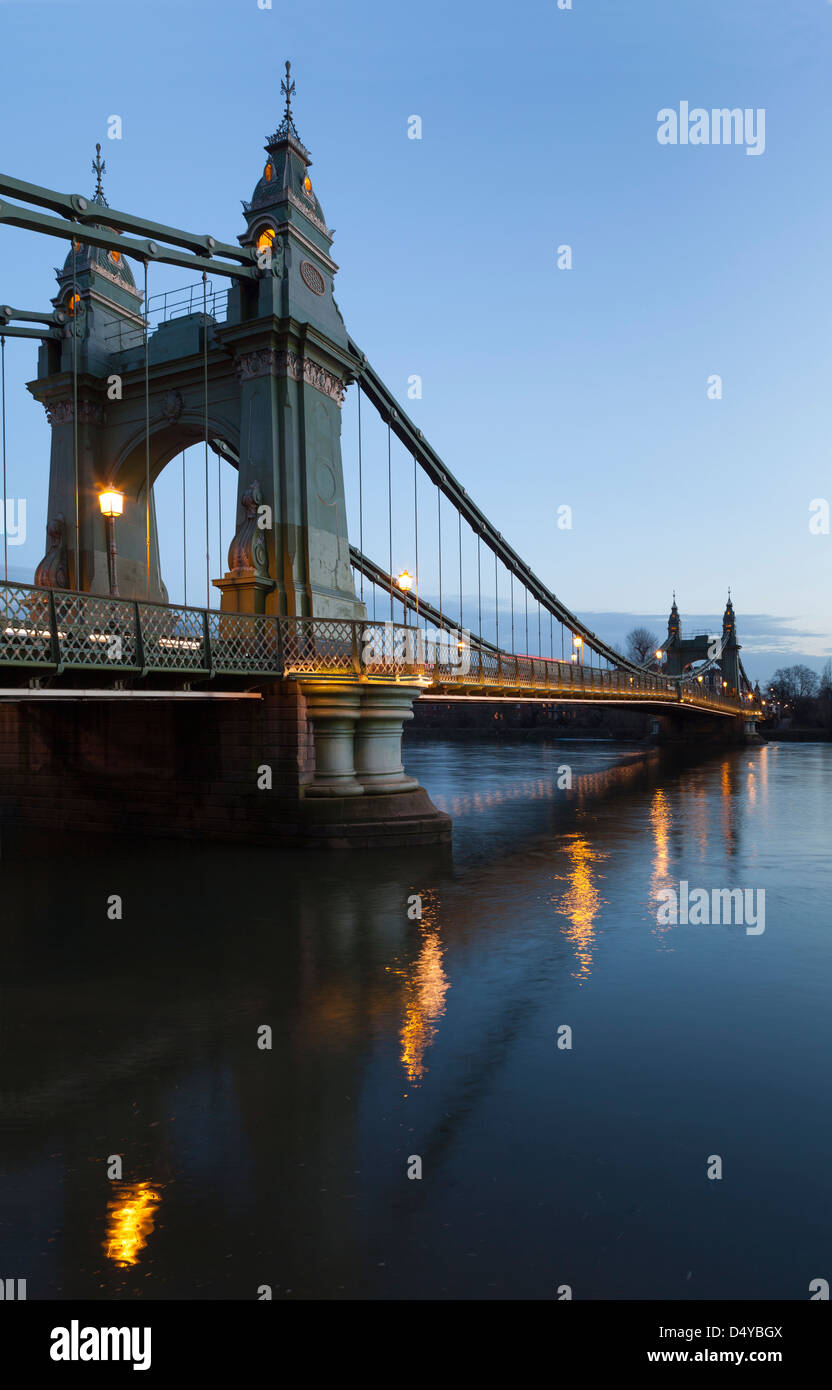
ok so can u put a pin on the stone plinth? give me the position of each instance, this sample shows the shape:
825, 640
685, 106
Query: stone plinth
334, 711
378, 738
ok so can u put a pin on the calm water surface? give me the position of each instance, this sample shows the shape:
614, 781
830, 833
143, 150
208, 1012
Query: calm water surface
434, 1038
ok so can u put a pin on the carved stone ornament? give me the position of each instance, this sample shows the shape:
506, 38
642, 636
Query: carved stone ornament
254, 364
324, 381
60, 412
247, 554
173, 405
312, 277
270, 362
53, 570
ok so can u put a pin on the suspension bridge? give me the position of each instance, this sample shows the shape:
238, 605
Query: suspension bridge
255, 374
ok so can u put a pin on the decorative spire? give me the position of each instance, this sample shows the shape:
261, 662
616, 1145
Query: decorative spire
287, 127
287, 87
98, 168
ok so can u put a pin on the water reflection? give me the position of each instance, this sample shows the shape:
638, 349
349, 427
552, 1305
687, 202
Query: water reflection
582, 901
131, 1216
287, 1167
426, 985
728, 786
660, 822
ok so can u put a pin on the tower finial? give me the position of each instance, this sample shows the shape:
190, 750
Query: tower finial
287, 87
98, 168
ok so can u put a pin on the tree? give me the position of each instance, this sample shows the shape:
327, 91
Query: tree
794, 683
797, 687
641, 643
825, 696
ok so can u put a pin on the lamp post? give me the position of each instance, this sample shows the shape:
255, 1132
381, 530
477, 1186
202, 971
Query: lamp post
579, 643
406, 582
112, 505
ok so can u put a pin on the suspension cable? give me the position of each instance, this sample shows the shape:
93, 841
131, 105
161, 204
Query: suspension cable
439, 519
184, 533
361, 494
496, 599
459, 519
147, 428
479, 590
205, 389
5, 503
76, 304
415, 530
511, 591
390, 513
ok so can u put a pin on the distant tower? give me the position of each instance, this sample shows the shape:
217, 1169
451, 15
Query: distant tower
730, 660
673, 645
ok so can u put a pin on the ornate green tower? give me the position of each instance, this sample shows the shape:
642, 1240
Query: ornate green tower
293, 362
103, 309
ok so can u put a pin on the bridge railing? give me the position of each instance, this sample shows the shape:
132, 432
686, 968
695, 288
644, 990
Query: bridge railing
444, 661
57, 630
52, 630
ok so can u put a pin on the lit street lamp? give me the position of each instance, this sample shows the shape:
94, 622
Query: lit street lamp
112, 505
406, 582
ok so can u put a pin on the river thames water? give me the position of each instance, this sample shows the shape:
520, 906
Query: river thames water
399, 1042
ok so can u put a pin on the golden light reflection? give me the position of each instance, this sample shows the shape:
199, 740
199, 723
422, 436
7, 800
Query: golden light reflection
581, 902
426, 985
727, 788
661, 818
130, 1220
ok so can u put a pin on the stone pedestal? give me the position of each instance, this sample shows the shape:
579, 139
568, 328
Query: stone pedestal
378, 738
334, 711
244, 593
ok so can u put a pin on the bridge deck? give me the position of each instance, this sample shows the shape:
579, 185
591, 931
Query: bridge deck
58, 634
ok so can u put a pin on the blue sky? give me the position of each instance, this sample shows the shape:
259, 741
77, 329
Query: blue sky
541, 387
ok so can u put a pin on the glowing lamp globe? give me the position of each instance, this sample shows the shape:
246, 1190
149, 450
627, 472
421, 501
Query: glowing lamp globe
111, 503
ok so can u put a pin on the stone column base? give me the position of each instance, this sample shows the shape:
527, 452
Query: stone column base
333, 711
378, 738
243, 593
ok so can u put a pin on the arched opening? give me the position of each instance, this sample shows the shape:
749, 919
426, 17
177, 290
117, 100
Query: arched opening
193, 512
189, 552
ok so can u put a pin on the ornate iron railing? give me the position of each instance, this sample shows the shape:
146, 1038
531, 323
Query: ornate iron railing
54, 630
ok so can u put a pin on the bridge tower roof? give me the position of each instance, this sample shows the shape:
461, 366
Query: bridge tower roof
729, 625
284, 192
95, 273
674, 622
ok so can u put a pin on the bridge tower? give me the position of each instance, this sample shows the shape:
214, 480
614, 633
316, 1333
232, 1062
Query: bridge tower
673, 645
730, 659
292, 358
263, 389
98, 295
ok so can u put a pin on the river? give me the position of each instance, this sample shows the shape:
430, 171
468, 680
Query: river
433, 1045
